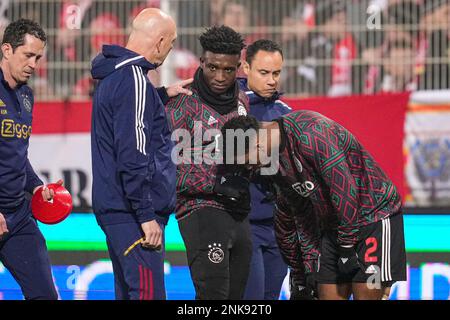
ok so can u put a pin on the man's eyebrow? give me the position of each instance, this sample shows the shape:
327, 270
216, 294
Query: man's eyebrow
212, 64
268, 71
31, 53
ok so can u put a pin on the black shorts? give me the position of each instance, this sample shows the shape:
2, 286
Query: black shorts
381, 254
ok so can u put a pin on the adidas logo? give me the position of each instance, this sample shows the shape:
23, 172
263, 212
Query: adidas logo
223, 180
371, 269
344, 260
2, 104
241, 109
212, 120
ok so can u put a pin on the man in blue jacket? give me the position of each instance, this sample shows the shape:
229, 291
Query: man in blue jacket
22, 247
263, 66
133, 175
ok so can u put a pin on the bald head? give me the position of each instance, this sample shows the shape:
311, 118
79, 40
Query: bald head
152, 20
153, 34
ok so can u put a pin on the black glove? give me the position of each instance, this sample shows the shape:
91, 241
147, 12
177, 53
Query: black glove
348, 263
306, 290
234, 192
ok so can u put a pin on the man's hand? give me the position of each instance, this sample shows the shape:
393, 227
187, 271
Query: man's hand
179, 88
3, 227
348, 260
48, 194
304, 291
152, 235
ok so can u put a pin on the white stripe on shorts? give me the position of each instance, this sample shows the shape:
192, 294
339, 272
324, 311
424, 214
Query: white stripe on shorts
386, 250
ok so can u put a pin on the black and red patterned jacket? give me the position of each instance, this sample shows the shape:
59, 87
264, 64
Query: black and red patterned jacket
326, 181
195, 181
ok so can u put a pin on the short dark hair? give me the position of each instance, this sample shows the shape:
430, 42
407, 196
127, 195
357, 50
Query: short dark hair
262, 45
222, 40
241, 122
15, 32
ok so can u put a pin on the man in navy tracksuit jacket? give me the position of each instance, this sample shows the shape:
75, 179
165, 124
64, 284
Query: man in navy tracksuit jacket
133, 175
268, 270
22, 246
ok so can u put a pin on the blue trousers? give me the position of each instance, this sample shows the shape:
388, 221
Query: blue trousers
138, 273
267, 268
24, 253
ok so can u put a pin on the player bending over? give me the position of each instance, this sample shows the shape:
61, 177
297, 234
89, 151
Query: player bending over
338, 220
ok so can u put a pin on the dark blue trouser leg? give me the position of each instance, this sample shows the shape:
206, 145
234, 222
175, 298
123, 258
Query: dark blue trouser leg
24, 254
140, 273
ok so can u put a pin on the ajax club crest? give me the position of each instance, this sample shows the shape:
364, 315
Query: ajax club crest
215, 253
26, 103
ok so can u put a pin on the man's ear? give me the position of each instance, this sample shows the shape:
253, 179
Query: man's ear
159, 44
7, 50
246, 67
202, 63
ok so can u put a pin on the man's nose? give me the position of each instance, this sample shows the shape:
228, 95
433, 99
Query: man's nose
271, 81
32, 63
220, 76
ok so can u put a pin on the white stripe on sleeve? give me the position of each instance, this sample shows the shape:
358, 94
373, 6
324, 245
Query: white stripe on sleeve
139, 109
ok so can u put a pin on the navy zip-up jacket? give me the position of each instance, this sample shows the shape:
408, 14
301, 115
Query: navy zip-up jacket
263, 109
134, 178
16, 173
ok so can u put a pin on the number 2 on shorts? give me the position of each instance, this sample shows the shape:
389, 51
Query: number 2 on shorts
371, 244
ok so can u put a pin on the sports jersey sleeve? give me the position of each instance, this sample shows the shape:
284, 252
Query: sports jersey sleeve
328, 154
32, 179
299, 236
132, 130
162, 92
288, 243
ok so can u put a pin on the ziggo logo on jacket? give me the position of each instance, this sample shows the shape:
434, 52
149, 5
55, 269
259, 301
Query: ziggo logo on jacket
10, 129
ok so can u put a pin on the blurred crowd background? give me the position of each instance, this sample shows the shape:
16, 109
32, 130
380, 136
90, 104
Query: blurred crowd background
332, 47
